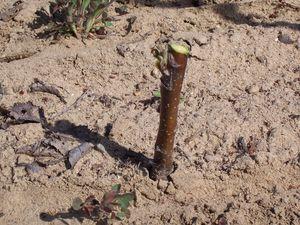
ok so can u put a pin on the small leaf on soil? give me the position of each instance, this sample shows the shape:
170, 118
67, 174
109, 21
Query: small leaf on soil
40, 86
108, 23
77, 153
25, 112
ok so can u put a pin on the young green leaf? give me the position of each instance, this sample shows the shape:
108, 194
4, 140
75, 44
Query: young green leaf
85, 4
116, 188
157, 94
108, 23
124, 200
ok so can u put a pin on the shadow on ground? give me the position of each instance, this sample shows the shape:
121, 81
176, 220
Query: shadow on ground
118, 152
232, 13
63, 216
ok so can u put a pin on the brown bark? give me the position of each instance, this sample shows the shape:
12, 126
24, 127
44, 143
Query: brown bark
171, 84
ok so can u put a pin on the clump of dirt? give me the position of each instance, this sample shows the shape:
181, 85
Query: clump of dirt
237, 141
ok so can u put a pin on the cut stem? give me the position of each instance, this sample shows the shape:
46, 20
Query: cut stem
171, 84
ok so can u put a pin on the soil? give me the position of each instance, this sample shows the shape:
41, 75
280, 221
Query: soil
242, 87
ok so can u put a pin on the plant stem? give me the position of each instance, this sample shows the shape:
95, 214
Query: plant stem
100, 9
171, 84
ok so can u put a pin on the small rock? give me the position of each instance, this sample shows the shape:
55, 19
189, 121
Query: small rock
262, 202
139, 200
244, 163
276, 210
261, 158
106, 100
33, 168
18, 174
262, 59
170, 189
27, 13
101, 148
162, 185
214, 140
180, 196
122, 49
149, 193
253, 89
201, 40
24, 159
285, 38
155, 73
277, 189
212, 158
191, 37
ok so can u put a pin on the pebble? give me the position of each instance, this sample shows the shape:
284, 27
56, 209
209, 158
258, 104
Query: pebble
162, 185
285, 38
244, 163
170, 189
276, 210
139, 199
33, 168
261, 158
24, 159
155, 73
262, 59
253, 89
149, 193
180, 196
122, 49
101, 148
212, 158
18, 174
201, 40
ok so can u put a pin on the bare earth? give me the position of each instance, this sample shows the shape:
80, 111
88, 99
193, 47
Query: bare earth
242, 81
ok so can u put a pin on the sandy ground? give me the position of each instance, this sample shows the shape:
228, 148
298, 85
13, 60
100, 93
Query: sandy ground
242, 81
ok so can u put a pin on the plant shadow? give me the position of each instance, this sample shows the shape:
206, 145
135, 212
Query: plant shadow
69, 215
63, 216
84, 134
231, 12
51, 23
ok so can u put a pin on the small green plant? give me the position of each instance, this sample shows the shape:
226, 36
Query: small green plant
112, 206
80, 17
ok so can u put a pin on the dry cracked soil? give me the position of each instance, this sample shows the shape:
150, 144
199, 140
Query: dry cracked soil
238, 135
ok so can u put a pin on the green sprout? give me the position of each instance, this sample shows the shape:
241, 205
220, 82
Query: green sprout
81, 17
112, 206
